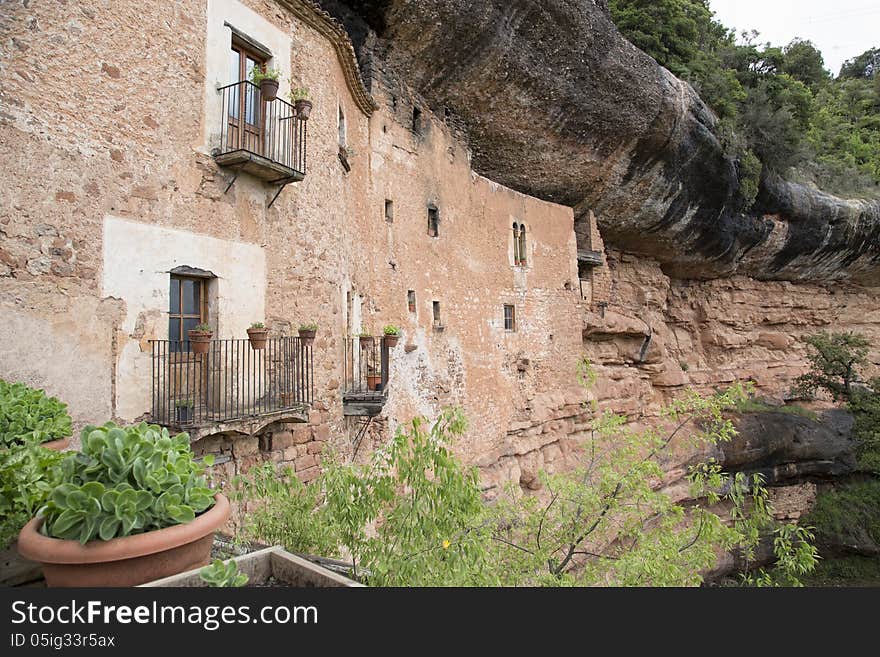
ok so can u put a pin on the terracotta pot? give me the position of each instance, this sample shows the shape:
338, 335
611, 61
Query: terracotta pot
303, 109
374, 381
307, 337
269, 89
391, 340
366, 341
125, 561
258, 337
199, 341
58, 445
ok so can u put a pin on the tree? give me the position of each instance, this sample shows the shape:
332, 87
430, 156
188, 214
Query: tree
865, 65
835, 359
414, 515
803, 61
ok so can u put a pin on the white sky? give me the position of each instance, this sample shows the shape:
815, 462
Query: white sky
840, 29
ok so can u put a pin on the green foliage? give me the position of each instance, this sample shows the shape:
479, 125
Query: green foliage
184, 403
30, 416
414, 514
864, 404
204, 327
312, 326
28, 473
848, 515
365, 334
390, 329
299, 93
223, 574
258, 325
781, 103
257, 74
284, 511
835, 359
758, 406
126, 480
852, 570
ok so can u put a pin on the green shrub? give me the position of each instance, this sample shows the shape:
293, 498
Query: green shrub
391, 329
28, 473
311, 326
126, 480
848, 515
29, 415
759, 406
223, 574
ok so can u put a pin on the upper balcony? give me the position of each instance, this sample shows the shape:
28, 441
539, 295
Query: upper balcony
365, 390
266, 139
232, 386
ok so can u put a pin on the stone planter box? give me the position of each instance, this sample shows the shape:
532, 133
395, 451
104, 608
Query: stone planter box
15, 570
265, 565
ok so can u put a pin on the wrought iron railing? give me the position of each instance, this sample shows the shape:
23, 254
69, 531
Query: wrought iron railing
270, 129
230, 381
366, 367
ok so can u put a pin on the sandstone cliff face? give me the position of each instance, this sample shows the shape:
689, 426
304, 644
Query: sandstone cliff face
559, 105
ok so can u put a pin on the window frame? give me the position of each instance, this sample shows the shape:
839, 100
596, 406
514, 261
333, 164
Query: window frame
180, 315
249, 134
433, 221
509, 321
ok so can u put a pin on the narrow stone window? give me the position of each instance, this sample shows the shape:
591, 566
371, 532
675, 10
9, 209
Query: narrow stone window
433, 221
417, 120
435, 305
509, 317
341, 127
411, 300
389, 211
515, 243
522, 245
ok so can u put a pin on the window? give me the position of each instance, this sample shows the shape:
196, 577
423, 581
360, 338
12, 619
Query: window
519, 244
411, 300
389, 211
417, 120
341, 126
509, 317
187, 308
433, 221
435, 306
244, 111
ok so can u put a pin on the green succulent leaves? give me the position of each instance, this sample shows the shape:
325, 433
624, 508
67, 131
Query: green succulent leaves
223, 574
30, 416
126, 480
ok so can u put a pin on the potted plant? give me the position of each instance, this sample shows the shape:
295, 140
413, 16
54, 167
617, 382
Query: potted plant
374, 379
131, 507
301, 103
184, 408
392, 335
366, 340
307, 333
267, 81
257, 334
30, 416
200, 338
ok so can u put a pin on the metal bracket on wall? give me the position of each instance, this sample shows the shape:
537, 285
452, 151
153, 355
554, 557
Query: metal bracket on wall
280, 189
359, 436
234, 178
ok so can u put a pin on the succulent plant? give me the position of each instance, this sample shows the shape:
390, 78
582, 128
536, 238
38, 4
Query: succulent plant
391, 329
223, 574
126, 480
30, 416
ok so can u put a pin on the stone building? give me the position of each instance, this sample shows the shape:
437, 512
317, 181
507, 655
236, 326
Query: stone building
149, 187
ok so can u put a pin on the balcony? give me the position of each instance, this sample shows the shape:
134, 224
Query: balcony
263, 138
366, 376
589, 258
232, 386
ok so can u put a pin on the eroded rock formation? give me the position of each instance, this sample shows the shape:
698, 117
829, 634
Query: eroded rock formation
559, 105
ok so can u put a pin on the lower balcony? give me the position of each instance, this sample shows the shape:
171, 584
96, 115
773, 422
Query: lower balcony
232, 386
366, 376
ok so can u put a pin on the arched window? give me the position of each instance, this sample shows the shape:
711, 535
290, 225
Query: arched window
522, 245
515, 243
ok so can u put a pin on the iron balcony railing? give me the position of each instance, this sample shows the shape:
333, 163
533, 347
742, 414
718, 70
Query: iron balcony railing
230, 381
366, 368
268, 129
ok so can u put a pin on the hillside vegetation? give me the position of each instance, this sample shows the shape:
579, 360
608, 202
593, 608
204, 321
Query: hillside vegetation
780, 110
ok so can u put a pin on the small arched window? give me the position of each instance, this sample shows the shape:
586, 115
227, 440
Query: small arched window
341, 126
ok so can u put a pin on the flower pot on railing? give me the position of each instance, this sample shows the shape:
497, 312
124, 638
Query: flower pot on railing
303, 108
391, 340
200, 340
258, 337
366, 341
374, 381
269, 89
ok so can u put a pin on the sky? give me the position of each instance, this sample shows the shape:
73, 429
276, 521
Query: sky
841, 29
